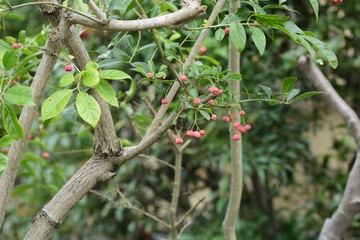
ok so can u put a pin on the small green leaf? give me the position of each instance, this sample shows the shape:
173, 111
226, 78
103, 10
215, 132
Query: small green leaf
54, 104
22, 36
67, 80
238, 36
107, 92
69, 114
305, 95
270, 20
92, 65
4, 45
11, 123
6, 141
293, 93
233, 77
315, 6
20, 95
282, 1
88, 108
113, 74
10, 59
267, 90
259, 38
90, 77
3, 162
220, 34
205, 114
288, 84
194, 93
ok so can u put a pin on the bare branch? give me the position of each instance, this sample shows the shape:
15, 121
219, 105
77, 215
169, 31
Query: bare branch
185, 14
99, 14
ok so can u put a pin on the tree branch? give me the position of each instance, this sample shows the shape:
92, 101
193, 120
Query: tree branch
335, 227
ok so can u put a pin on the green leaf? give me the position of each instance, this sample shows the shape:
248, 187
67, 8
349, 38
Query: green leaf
290, 95
205, 114
266, 89
67, 80
54, 104
270, 20
288, 84
22, 37
220, 34
323, 48
10, 58
90, 77
282, 1
20, 95
11, 123
4, 45
6, 141
107, 92
69, 114
88, 108
305, 95
193, 92
233, 77
113, 74
259, 38
315, 6
92, 65
238, 35
3, 162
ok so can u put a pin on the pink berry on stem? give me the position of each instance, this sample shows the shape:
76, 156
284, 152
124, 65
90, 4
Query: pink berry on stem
212, 102
179, 140
197, 134
164, 101
227, 30
236, 137
68, 68
247, 127
203, 50
242, 113
189, 133
150, 75
202, 132
213, 117
183, 78
226, 119
197, 101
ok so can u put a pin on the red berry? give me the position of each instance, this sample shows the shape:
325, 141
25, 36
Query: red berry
19, 45
218, 92
13, 83
212, 102
203, 50
29, 137
202, 132
247, 127
179, 140
337, 2
68, 68
14, 45
5, 150
227, 30
213, 117
241, 129
189, 133
165, 101
242, 113
150, 75
213, 89
17, 78
86, 32
236, 137
45, 155
197, 101
197, 134
237, 124
226, 119
183, 78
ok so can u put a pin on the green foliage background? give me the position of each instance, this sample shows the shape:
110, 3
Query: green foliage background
276, 145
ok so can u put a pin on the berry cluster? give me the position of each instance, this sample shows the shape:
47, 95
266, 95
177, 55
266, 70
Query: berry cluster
241, 128
16, 45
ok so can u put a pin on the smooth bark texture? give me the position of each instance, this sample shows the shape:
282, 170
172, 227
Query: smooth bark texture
236, 181
335, 227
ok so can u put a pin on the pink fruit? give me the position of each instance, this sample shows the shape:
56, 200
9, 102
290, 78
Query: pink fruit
45, 155
247, 127
203, 50
213, 117
236, 137
213, 89
150, 75
212, 102
197, 134
197, 101
236, 124
226, 119
202, 132
179, 140
183, 78
189, 133
242, 113
227, 30
241, 129
68, 68
164, 101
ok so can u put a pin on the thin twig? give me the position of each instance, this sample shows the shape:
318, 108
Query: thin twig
189, 212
